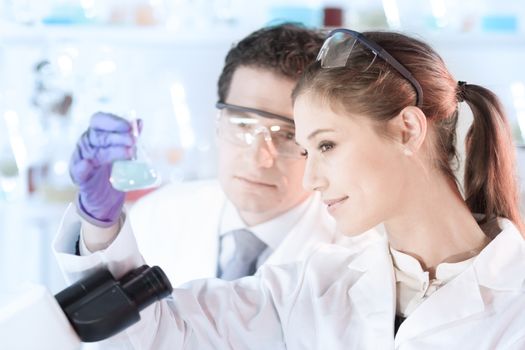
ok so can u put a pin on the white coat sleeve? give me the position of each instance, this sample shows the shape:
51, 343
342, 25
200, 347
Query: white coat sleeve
120, 257
203, 314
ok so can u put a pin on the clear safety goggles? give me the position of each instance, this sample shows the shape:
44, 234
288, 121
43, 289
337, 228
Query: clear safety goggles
242, 126
344, 46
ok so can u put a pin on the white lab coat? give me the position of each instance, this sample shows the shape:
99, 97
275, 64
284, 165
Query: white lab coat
341, 297
177, 228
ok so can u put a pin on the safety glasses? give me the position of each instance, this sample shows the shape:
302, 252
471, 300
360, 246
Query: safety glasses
242, 126
344, 47
241, 109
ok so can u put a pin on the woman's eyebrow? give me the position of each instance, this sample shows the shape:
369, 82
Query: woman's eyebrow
317, 132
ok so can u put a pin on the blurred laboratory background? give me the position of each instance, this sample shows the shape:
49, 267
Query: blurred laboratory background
62, 60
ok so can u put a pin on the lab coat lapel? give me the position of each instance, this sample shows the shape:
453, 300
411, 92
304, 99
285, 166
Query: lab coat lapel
201, 249
189, 237
373, 295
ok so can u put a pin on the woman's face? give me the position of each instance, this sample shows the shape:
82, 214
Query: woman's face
359, 172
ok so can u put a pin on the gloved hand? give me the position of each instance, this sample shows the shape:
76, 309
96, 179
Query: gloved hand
107, 139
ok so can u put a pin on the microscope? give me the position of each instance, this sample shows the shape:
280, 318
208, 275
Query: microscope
94, 308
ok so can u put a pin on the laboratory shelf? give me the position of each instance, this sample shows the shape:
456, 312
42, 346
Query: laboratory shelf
12, 34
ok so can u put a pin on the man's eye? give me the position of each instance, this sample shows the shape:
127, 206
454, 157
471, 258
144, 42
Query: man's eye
243, 125
283, 136
286, 136
242, 122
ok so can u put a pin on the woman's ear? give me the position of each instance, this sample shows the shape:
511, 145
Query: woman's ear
410, 129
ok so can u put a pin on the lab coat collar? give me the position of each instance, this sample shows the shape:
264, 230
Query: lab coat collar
501, 266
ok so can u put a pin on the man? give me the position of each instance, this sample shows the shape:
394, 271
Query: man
257, 212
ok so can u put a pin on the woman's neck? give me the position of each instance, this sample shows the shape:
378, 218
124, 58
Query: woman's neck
436, 226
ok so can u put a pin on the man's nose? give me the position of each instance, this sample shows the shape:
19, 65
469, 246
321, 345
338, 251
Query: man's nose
264, 151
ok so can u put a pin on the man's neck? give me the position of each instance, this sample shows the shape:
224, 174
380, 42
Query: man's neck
256, 218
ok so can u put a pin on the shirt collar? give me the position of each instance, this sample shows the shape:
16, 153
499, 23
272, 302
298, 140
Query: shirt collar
408, 270
413, 284
271, 232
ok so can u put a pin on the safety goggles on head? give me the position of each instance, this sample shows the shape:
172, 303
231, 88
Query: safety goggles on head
344, 44
242, 125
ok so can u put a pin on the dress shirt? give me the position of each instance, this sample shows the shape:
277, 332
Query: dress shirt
413, 284
271, 232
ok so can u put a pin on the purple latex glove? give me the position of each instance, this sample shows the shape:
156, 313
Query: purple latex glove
107, 139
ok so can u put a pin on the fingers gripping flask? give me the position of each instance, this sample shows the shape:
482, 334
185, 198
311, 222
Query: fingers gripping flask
137, 173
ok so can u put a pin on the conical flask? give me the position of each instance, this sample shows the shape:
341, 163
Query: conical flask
137, 173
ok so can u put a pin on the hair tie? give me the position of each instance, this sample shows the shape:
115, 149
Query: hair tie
461, 91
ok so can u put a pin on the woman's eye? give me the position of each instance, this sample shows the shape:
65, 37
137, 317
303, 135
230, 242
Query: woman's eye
325, 146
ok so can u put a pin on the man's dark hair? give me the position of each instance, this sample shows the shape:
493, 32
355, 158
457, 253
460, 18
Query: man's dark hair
286, 49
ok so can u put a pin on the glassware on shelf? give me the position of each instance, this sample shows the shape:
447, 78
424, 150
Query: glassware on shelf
8, 176
137, 173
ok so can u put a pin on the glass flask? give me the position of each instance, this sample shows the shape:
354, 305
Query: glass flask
137, 173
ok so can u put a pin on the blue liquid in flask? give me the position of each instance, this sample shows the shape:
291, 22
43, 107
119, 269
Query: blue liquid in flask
130, 175
134, 174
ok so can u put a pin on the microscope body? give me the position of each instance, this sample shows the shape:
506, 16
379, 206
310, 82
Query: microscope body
35, 320
92, 309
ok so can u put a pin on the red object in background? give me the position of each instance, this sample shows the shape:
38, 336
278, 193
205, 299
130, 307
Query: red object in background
36, 176
134, 196
333, 17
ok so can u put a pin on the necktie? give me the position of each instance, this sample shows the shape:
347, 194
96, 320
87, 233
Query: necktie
244, 261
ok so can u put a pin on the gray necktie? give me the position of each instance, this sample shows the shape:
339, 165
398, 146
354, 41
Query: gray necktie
244, 262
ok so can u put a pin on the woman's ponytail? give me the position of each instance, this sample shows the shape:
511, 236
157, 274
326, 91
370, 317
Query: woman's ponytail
490, 182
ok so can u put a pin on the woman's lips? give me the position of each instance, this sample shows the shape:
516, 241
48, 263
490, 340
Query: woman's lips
333, 204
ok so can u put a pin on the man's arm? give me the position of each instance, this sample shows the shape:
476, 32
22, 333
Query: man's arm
194, 316
98, 238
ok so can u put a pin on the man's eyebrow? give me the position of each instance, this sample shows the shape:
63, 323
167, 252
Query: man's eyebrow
262, 113
317, 132
258, 116
239, 113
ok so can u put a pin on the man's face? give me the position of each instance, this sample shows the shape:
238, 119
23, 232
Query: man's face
259, 182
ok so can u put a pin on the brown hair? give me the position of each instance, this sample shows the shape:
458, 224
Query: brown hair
379, 91
286, 49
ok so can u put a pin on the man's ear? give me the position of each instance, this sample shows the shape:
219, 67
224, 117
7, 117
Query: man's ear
410, 129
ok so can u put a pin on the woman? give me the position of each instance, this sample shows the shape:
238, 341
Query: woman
380, 139
379, 134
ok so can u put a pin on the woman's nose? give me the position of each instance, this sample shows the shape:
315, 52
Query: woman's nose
312, 179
